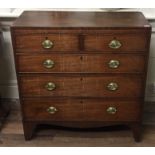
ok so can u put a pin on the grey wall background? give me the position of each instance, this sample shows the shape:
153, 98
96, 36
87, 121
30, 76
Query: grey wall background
8, 81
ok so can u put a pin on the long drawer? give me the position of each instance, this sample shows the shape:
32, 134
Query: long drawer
59, 42
80, 110
87, 63
84, 86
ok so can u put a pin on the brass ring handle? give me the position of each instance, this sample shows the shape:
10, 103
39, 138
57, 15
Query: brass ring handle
52, 110
47, 44
50, 86
113, 64
115, 44
111, 110
112, 86
48, 63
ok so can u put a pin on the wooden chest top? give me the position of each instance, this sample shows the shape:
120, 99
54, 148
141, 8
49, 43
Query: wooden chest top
81, 20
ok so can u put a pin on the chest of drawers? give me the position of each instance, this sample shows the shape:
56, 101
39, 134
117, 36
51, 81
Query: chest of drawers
81, 69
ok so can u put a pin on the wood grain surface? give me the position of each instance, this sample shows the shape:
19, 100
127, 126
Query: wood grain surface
80, 110
81, 63
80, 86
81, 54
62, 19
12, 135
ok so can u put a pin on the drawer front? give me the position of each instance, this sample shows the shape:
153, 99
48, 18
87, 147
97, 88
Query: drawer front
53, 110
102, 63
49, 43
107, 86
118, 43
80, 110
100, 110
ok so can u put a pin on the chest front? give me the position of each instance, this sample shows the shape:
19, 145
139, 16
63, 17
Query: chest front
79, 68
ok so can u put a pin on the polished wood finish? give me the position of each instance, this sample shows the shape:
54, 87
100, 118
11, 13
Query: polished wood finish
77, 63
67, 42
67, 110
101, 42
49, 135
81, 86
29, 128
136, 128
81, 71
62, 42
81, 110
56, 19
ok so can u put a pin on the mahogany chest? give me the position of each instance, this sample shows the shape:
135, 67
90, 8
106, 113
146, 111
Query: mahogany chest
81, 69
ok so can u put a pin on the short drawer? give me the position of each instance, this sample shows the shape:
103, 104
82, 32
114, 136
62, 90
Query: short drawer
49, 43
84, 86
77, 63
80, 110
116, 43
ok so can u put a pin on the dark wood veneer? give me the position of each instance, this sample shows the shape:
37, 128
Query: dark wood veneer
101, 42
89, 86
81, 54
56, 19
77, 63
62, 42
81, 110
